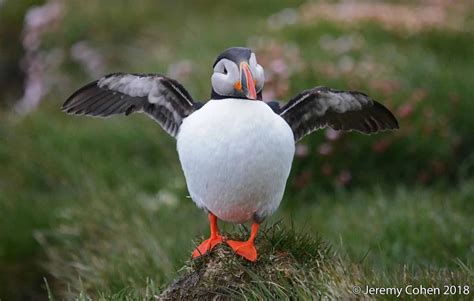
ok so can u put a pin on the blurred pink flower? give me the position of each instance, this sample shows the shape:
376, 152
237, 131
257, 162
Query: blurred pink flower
325, 149
39, 20
332, 134
285, 17
405, 110
279, 66
344, 178
268, 94
410, 17
387, 87
381, 146
301, 150
89, 58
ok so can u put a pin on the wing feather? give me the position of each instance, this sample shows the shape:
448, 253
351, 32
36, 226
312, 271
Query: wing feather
341, 110
163, 99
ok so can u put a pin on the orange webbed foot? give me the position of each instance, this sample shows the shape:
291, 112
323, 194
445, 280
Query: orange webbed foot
207, 245
246, 249
213, 241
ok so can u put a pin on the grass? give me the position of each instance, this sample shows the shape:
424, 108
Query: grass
293, 265
99, 207
103, 234
390, 228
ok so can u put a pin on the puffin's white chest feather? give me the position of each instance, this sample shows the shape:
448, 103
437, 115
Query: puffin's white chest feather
236, 156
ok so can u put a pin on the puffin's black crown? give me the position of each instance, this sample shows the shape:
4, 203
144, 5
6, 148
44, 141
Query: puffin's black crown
235, 54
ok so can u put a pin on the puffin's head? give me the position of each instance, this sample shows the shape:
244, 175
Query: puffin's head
237, 75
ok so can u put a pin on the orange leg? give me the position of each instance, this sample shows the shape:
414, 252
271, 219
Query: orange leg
213, 240
246, 249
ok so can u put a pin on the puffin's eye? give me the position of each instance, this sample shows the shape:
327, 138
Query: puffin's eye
220, 68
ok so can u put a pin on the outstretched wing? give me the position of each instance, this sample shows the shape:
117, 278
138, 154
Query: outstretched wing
163, 99
341, 110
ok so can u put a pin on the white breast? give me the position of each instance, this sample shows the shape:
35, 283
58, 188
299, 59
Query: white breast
236, 156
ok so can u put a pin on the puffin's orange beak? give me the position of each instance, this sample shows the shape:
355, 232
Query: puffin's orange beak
247, 84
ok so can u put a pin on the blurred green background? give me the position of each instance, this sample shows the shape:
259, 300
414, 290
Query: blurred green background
95, 207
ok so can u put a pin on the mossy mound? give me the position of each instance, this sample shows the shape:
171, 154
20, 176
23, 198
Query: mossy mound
290, 265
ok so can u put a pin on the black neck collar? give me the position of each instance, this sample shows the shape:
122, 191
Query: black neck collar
215, 95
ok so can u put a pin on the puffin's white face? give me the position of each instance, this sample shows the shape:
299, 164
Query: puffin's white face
242, 78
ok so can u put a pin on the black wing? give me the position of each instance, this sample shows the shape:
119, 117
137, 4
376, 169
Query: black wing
274, 105
341, 110
163, 99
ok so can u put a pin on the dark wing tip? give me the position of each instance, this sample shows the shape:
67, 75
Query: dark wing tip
78, 95
390, 121
71, 100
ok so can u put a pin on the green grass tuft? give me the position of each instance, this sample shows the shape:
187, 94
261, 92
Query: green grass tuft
291, 265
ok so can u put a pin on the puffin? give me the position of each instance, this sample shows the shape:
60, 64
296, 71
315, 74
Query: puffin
235, 150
